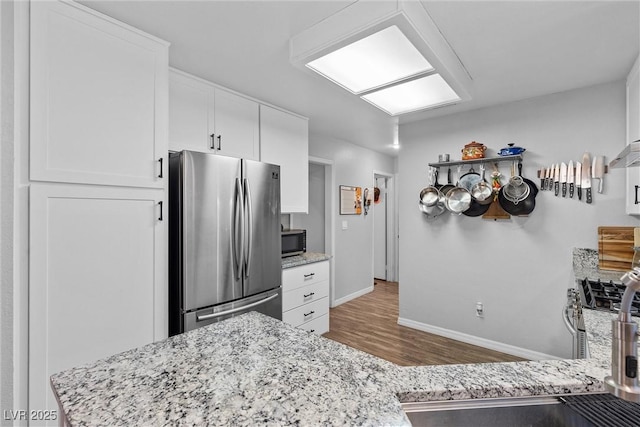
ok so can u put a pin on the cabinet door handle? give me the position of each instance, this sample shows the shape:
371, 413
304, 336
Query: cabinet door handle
307, 276
637, 186
219, 142
160, 217
161, 168
213, 141
309, 295
309, 313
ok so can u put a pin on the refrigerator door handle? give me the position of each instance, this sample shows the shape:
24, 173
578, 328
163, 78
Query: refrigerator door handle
238, 229
235, 310
249, 225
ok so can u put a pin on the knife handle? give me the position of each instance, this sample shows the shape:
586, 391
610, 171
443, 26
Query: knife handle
571, 188
579, 193
600, 184
564, 189
542, 183
589, 200
557, 187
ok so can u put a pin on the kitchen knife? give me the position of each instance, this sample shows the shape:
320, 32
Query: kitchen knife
571, 178
563, 178
543, 171
586, 175
578, 179
556, 179
598, 171
547, 178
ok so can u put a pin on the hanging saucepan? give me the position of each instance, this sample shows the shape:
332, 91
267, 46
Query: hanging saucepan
458, 199
469, 179
430, 195
449, 185
482, 191
481, 197
518, 196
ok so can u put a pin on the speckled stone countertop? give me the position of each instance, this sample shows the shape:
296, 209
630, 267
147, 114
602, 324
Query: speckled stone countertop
253, 369
305, 258
585, 265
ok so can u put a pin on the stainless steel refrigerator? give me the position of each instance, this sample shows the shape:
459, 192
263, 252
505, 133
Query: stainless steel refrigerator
224, 239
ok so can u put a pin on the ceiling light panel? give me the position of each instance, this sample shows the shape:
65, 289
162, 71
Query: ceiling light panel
382, 58
425, 92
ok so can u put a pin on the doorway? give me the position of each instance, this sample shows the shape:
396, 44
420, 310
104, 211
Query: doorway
384, 235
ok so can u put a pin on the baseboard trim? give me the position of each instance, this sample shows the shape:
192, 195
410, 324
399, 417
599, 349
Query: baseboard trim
354, 295
481, 342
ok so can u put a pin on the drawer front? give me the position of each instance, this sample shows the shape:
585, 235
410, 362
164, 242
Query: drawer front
307, 312
296, 277
304, 295
317, 326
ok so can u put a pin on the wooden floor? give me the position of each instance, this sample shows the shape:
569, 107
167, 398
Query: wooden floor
370, 323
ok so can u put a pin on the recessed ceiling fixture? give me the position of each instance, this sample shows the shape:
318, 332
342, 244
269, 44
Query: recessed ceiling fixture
390, 54
380, 59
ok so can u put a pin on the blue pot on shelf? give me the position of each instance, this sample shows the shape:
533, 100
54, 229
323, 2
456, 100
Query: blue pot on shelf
511, 150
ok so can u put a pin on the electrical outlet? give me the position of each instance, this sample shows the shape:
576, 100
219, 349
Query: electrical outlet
479, 309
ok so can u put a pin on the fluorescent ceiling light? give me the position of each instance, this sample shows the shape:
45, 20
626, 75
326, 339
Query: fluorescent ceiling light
380, 59
414, 95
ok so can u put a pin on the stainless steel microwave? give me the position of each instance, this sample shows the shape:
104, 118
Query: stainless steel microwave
294, 242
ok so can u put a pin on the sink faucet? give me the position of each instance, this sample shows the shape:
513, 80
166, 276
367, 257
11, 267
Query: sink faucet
623, 382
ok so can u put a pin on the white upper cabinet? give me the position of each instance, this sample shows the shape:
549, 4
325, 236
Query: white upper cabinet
633, 134
98, 99
284, 141
206, 118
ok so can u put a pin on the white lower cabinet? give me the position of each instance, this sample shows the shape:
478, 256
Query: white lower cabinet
97, 277
305, 301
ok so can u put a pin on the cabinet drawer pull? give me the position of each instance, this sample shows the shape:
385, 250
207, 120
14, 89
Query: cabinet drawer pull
161, 168
309, 313
219, 142
310, 275
309, 295
213, 141
637, 186
160, 217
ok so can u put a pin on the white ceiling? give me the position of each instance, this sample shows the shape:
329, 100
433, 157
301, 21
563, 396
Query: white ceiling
512, 50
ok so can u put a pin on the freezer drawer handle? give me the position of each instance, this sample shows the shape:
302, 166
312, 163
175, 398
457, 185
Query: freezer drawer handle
309, 295
235, 310
309, 313
307, 276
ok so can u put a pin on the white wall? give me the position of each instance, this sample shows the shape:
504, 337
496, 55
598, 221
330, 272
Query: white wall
520, 268
314, 221
353, 260
6, 205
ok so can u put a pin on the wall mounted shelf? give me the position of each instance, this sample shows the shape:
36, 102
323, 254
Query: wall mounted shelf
497, 159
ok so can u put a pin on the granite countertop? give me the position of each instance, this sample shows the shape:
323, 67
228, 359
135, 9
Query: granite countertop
305, 258
585, 265
253, 369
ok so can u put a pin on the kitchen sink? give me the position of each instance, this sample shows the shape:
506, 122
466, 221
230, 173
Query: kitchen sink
576, 411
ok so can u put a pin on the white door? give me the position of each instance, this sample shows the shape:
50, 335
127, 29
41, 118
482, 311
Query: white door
98, 99
237, 126
380, 231
97, 282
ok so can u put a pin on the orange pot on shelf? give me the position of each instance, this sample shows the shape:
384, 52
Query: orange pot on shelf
473, 150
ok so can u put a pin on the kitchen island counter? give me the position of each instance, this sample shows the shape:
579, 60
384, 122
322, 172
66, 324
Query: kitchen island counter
253, 369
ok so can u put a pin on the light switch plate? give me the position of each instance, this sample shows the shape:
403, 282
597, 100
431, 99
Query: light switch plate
345, 225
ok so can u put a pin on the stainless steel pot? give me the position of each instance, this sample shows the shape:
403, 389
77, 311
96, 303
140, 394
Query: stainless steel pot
458, 199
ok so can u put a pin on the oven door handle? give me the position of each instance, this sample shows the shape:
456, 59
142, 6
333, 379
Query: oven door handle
235, 310
567, 320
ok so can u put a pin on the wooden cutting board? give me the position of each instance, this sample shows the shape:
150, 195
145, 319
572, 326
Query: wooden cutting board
615, 248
